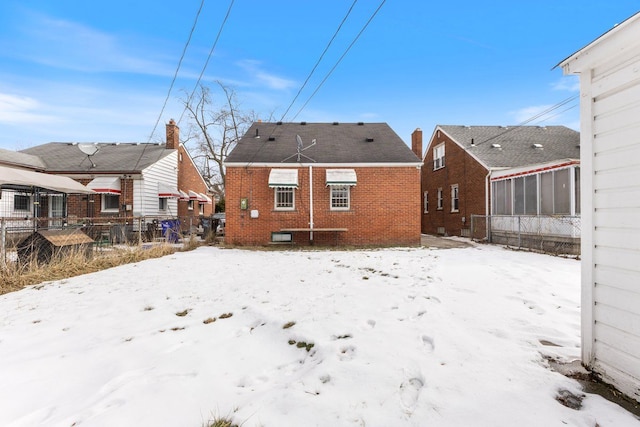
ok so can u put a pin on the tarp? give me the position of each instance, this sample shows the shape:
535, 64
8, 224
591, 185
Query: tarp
13, 178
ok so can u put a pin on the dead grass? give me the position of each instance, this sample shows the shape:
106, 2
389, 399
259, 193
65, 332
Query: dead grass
14, 276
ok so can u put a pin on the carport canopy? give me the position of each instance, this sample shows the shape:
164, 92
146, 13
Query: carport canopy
21, 179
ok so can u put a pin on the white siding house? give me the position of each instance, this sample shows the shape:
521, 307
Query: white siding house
148, 190
609, 70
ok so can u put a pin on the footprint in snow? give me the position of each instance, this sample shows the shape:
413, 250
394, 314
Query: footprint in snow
429, 345
409, 393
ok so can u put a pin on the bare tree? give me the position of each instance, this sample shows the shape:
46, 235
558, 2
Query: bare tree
215, 129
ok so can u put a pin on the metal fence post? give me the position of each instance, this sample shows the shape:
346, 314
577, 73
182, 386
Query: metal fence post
519, 233
3, 241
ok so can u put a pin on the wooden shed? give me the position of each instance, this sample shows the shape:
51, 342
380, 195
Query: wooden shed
44, 245
609, 70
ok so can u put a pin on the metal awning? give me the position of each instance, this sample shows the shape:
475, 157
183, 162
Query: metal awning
106, 185
341, 177
205, 199
283, 178
194, 196
183, 195
166, 191
22, 179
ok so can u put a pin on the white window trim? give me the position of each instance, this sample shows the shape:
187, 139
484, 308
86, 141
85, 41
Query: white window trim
109, 210
29, 203
455, 190
275, 199
190, 205
166, 204
425, 202
340, 208
440, 199
438, 161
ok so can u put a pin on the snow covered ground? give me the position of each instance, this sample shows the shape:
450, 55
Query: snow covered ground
393, 337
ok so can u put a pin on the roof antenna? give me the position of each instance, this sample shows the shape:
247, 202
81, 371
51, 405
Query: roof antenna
301, 148
89, 150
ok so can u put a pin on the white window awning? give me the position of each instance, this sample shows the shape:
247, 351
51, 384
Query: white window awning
341, 177
283, 178
183, 195
106, 185
166, 191
24, 178
194, 196
205, 199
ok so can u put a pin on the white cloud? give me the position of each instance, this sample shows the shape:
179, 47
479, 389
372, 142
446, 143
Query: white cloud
69, 45
263, 78
16, 109
567, 83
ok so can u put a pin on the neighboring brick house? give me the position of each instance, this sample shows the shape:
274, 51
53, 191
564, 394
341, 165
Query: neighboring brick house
485, 170
130, 179
323, 183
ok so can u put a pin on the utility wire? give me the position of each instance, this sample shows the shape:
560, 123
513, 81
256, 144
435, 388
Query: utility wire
327, 75
319, 59
339, 60
224, 21
529, 120
175, 75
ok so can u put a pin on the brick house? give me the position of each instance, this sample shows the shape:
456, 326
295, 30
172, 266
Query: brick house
129, 179
485, 170
323, 183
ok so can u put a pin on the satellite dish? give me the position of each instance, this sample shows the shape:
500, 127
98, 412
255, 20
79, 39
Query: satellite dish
89, 150
300, 149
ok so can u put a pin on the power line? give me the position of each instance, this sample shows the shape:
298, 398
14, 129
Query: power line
319, 59
175, 75
330, 71
529, 120
224, 21
339, 60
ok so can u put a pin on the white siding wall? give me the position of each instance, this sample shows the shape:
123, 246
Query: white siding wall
610, 134
145, 191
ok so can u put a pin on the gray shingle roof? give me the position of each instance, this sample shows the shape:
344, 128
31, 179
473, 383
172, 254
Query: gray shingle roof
335, 143
111, 157
516, 144
15, 158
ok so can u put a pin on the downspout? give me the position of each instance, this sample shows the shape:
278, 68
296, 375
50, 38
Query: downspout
487, 212
311, 204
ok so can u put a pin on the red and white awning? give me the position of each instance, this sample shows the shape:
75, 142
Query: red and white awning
166, 191
205, 199
183, 195
106, 185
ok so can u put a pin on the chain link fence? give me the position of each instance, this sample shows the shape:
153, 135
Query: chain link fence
544, 233
106, 232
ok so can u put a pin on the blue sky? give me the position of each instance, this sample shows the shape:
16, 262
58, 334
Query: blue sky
101, 71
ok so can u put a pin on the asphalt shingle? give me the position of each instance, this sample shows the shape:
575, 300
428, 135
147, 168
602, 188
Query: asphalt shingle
346, 143
516, 144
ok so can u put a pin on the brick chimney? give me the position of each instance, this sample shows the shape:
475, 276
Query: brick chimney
173, 135
416, 142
